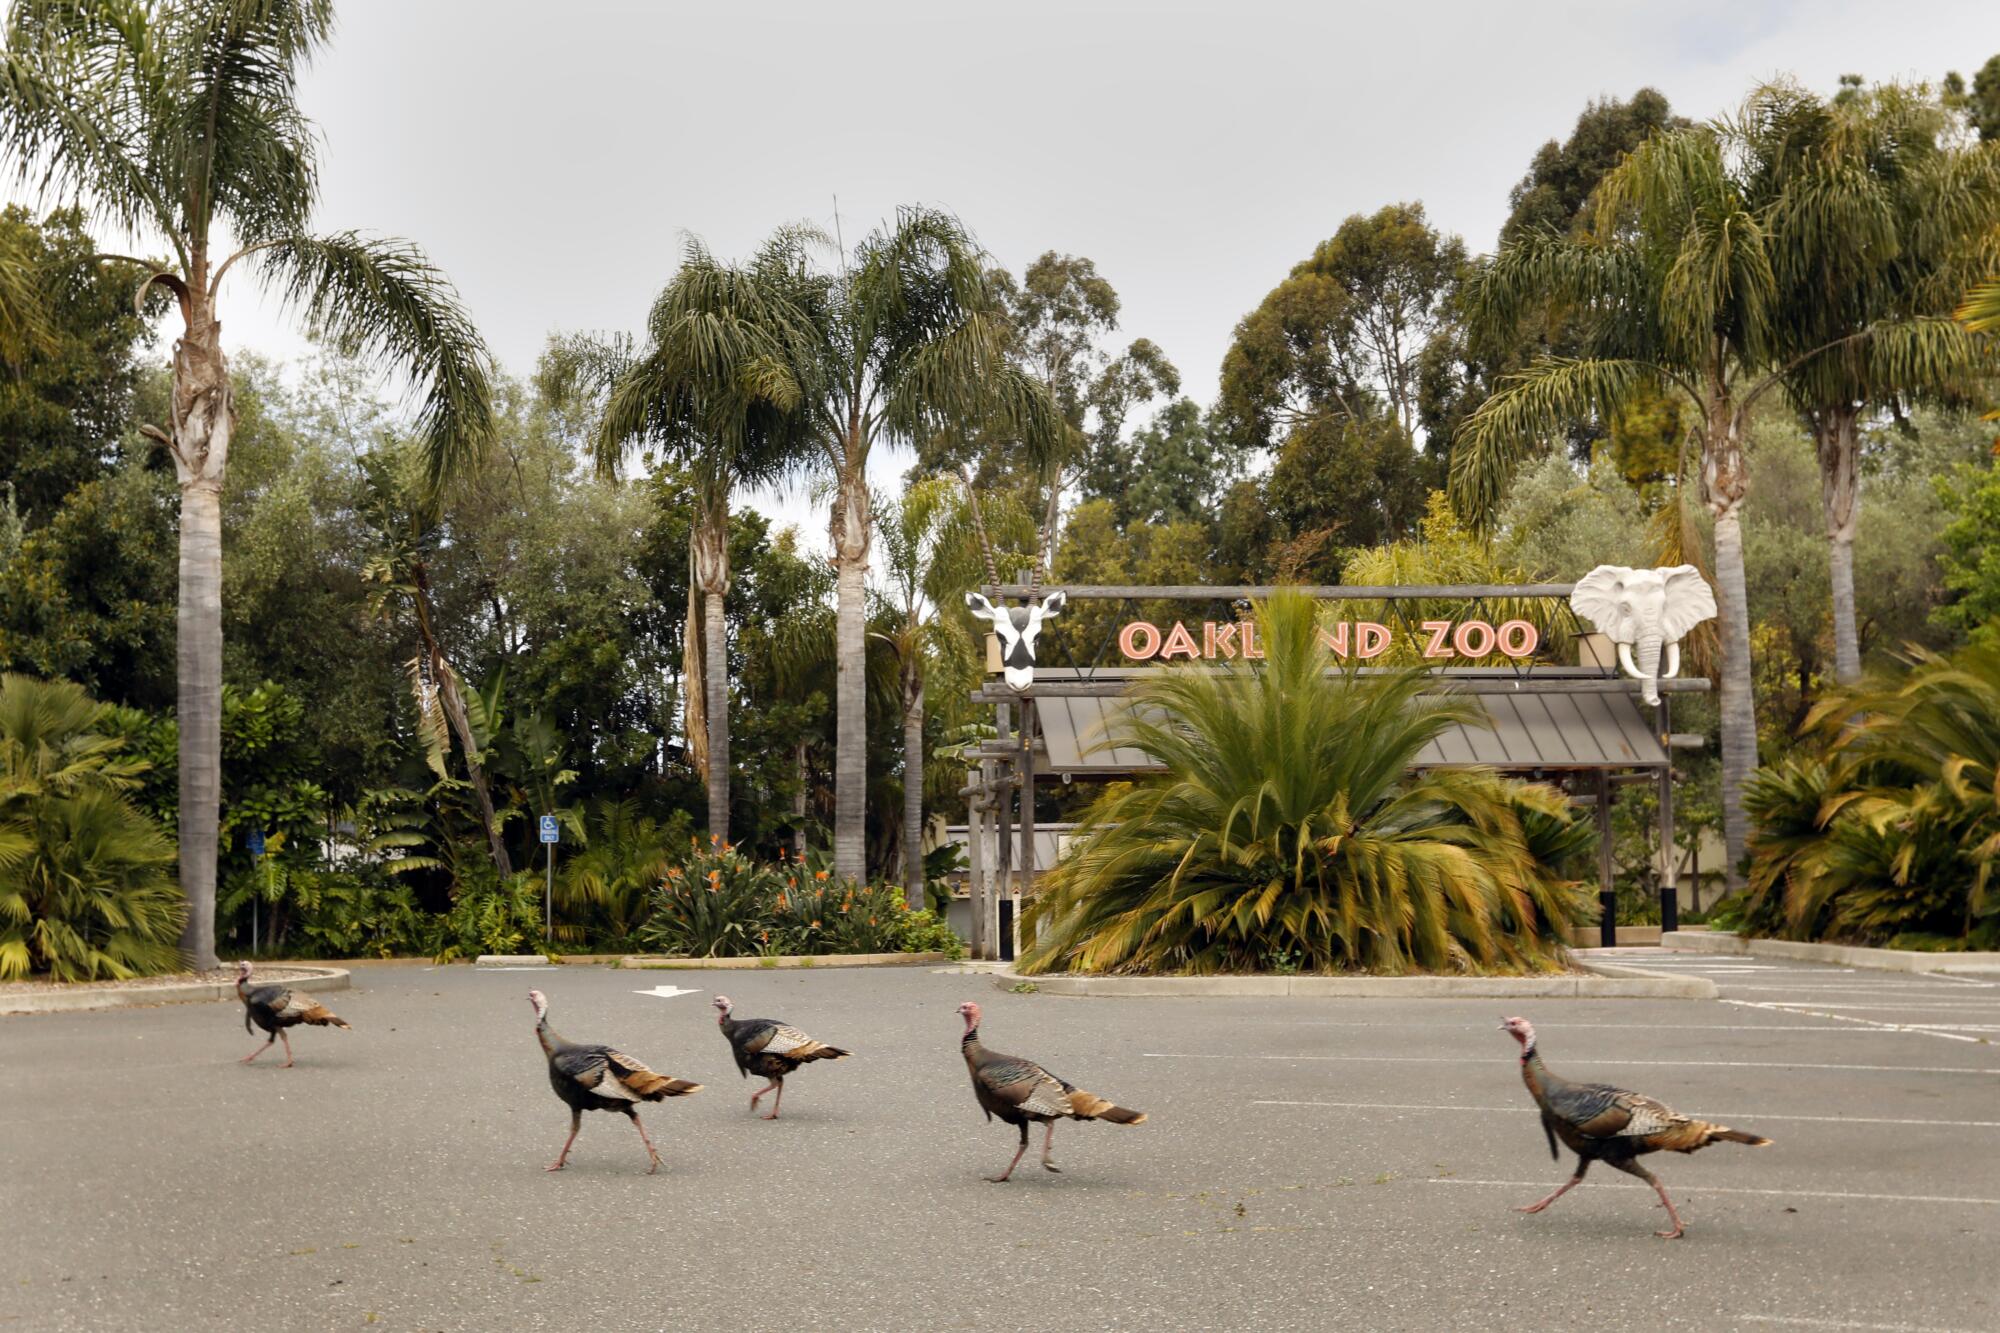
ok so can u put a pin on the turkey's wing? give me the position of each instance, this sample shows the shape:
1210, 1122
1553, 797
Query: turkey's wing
1604, 1112
1025, 1085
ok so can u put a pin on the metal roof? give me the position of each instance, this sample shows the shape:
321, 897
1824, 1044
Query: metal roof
1525, 730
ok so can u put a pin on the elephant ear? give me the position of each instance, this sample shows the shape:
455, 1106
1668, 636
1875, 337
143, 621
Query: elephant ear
1689, 601
1599, 598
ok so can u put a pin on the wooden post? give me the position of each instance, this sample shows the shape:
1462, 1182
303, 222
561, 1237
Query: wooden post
1027, 876
1670, 906
1607, 892
975, 854
1003, 791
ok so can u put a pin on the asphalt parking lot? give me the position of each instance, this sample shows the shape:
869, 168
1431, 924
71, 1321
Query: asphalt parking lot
1307, 1163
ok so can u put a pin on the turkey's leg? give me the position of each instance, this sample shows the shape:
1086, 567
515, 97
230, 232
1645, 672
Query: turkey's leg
774, 1083
1049, 1146
288, 1048
1001, 1179
1582, 1166
651, 1151
261, 1049
1634, 1169
778, 1100
575, 1123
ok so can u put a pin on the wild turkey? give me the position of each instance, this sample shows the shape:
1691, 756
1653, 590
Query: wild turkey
1019, 1091
769, 1049
600, 1078
1606, 1124
275, 1008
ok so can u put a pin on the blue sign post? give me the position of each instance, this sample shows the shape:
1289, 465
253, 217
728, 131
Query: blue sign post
254, 840
551, 835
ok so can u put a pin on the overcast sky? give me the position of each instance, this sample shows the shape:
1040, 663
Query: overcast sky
550, 155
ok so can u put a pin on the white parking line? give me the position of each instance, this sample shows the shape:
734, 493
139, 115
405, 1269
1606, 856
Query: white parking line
1720, 1115
1801, 1321
1614, 1027
1594, 1060
1778, 1007
1724, 1189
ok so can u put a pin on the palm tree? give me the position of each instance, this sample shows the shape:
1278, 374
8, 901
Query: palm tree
1289, 830
717, 387
924, 537
1679, 290
1871, 211
905, 338
178, 122
1981, 310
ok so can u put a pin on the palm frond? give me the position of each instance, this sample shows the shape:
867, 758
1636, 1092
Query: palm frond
1529, 410
382, 300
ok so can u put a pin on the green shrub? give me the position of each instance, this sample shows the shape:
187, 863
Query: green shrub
1289, 830
1893, 829
491, 916
86, 885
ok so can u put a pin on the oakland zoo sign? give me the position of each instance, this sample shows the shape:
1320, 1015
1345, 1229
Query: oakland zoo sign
1144, 641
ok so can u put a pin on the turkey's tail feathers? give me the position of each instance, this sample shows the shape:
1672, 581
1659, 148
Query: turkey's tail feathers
1090, 1106
818, 1051
320, 1016
1739, 1136
652, 1087
1698, 1134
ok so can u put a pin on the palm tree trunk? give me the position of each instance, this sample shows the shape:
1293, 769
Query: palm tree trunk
913, 788
1725, 480
799, 801
711, 550
694, 676
1837, 435
204, 418
1739, 716
850, 532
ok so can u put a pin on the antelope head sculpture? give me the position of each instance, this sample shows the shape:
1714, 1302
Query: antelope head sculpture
1017, 627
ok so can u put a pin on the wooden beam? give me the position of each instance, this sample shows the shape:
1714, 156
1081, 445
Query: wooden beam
1111, 689
1256, 592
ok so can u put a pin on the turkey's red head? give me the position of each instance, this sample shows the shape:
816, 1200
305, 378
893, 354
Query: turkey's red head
723, 1004
1521, 1030
540, 1001
970, 1013
243, 971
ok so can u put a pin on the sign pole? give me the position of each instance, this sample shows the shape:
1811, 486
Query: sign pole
550, 832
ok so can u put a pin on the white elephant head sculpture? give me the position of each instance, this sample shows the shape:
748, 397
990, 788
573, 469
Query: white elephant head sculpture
1648, 610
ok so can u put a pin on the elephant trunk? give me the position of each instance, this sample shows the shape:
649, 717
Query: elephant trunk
1649, 668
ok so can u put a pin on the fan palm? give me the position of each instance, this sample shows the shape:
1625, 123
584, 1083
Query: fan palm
1290, 829
178, 122
86, 889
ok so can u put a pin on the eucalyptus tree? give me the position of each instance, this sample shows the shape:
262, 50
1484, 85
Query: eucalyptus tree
1678, 287
1873, 212
177, 122
716, 386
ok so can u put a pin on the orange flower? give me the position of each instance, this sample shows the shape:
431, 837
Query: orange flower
871, 920
715, 877
727, 848
819, 874
791, 882
781, 902
815, 924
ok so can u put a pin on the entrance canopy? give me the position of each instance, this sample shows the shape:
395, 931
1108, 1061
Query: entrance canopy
1526, 731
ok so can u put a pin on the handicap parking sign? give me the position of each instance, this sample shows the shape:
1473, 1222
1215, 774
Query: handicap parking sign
549, 829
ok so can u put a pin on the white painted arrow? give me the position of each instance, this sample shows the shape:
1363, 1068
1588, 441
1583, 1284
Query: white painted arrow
666, 992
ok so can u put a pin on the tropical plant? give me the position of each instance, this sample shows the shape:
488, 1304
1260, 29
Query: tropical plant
1682, 286
613, 875
85, 884
1289, 825
169, 120
716, 905
1895, 830
492, 915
